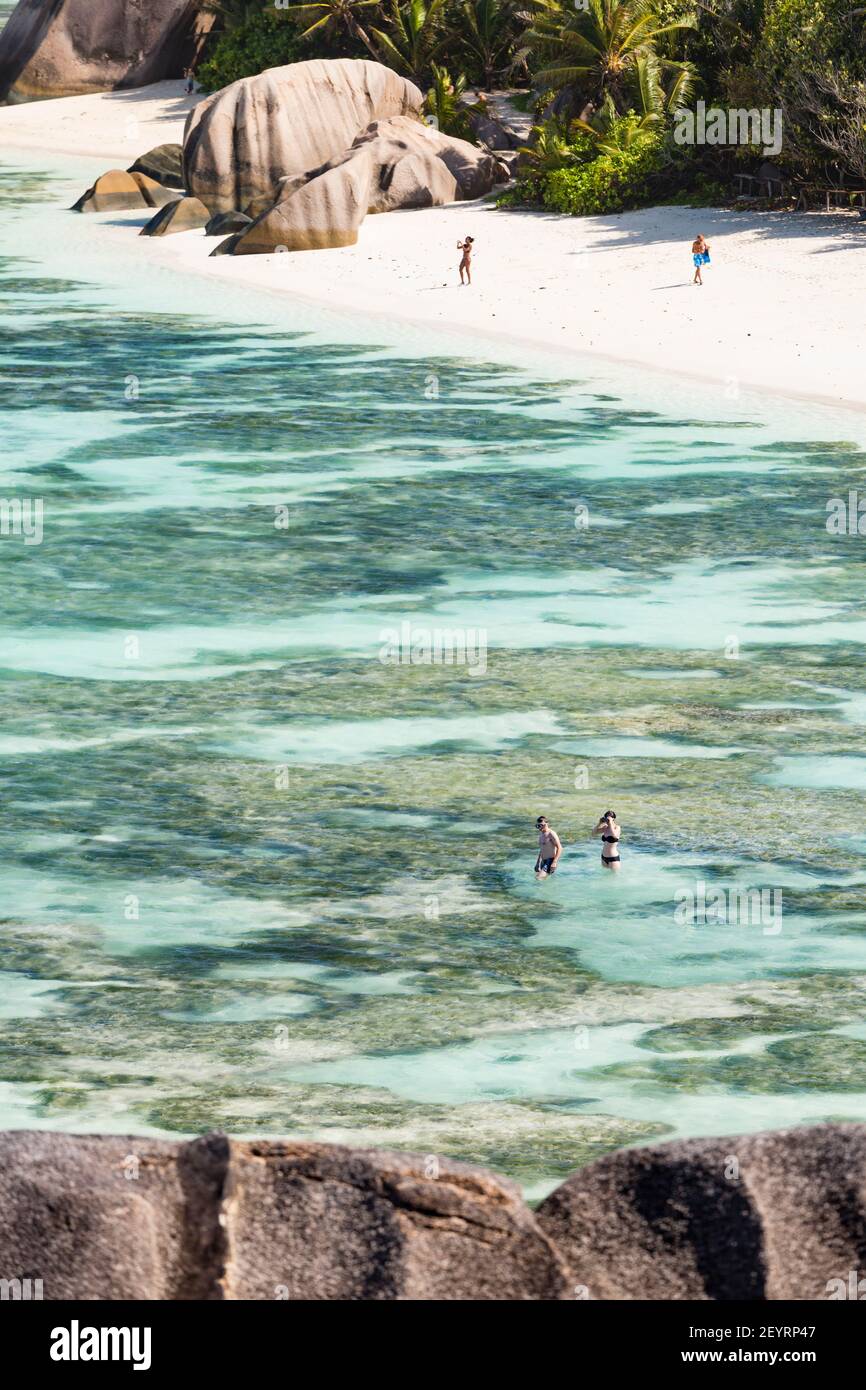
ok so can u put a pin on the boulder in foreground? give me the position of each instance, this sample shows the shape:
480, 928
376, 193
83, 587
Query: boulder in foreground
764, 1216
59, 48
99, 1217
118, 1218
324, 1222
241, 141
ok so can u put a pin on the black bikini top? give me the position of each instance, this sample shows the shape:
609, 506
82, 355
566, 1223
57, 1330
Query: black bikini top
609, 839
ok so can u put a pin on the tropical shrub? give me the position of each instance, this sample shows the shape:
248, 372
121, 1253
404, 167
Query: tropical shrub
443, 105
609, 183
265, 39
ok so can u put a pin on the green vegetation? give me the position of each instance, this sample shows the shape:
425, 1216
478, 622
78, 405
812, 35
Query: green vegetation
605, 80
597, 50
444, 106
613, 180
264, 39
413, 37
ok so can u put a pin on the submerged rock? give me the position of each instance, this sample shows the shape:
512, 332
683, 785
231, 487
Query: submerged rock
396, 163
180, 215
163, 163
58, 48
241, 141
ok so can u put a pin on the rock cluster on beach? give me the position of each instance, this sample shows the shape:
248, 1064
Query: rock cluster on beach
396, 163
295, 158
58, 48
239, 143
766, 1216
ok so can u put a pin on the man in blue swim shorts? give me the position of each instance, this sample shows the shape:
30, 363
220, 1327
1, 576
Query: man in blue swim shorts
700, 257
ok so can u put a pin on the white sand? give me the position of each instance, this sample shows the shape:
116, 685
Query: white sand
782, 309
115, 126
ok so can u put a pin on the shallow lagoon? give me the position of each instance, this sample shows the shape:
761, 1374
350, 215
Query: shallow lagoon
255, 878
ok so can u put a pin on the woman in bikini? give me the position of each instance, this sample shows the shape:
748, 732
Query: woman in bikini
700, 257
466, 247
610, 833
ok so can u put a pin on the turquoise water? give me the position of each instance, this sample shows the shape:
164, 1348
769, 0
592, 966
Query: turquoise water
256, 878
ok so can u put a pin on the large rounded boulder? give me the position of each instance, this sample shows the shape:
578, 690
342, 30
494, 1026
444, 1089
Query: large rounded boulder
761, 1216
59, 48
397, 163
104, 1217
241, 141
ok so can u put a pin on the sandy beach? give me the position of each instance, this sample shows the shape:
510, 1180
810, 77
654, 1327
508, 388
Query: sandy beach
781, 309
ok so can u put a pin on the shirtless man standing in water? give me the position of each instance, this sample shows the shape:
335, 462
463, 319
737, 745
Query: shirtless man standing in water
549, 849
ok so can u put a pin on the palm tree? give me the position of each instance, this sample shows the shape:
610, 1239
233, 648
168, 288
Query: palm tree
612, 132
600, 46
489, 36
444, 105
336, 17
414, 40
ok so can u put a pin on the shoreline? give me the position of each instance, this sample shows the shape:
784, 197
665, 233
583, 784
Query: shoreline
778, 314
190, 251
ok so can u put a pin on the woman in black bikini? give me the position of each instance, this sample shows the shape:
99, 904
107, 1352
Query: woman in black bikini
610, 833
